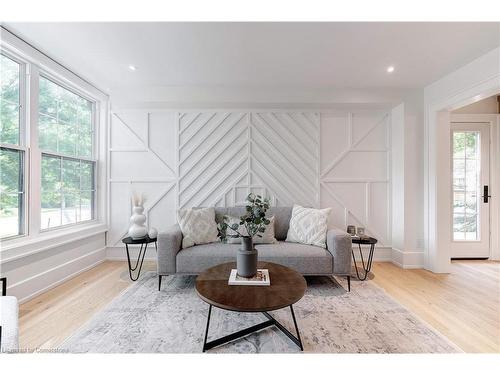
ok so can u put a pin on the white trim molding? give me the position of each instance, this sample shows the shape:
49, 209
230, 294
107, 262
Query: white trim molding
473, 82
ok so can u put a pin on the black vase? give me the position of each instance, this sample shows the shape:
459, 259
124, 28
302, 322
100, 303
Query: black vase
246, 258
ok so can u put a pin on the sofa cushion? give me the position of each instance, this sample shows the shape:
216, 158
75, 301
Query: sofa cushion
306, 259
281, 215
196, 259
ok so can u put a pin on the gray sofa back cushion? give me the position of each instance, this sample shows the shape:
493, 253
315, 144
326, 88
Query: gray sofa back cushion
281, 215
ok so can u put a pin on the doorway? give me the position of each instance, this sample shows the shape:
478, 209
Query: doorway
471, 193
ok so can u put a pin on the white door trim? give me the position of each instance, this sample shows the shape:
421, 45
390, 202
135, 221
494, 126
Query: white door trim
436, 149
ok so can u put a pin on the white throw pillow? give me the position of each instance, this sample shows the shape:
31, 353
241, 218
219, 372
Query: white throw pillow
267, 236
198, 226
308, 226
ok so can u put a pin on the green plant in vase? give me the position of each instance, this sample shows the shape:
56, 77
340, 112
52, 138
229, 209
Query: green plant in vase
252, 223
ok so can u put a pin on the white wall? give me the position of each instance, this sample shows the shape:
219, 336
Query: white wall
407, 192
38, 271
398, 181
414, 185
486, 106
334, 158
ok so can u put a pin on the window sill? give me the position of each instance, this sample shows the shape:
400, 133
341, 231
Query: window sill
26, 246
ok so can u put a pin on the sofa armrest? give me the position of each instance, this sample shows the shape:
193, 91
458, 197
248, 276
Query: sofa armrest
339, 244
169, 244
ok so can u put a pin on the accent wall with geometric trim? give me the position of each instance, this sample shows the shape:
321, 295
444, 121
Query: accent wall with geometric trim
335, 159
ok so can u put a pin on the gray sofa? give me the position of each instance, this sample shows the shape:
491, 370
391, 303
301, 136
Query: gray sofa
306, 259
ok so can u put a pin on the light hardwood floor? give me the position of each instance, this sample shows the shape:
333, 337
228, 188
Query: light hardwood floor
463, 305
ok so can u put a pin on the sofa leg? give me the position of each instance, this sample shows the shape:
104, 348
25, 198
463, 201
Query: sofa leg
348, 283
159, 282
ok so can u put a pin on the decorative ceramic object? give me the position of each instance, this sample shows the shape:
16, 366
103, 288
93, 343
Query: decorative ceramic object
153, 233
253, 223
246, 258
137, 229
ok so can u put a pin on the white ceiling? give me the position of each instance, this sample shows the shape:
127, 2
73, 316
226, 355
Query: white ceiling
256, 55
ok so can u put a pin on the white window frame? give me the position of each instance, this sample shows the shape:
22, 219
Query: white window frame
93, 158
22, 146
35, 240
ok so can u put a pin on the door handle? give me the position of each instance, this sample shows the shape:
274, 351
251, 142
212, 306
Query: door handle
486, 195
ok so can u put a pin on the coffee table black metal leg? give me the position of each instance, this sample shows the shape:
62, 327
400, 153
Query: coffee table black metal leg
296, 329
233, 336
206, 330
130, 269
367, 268
297, 341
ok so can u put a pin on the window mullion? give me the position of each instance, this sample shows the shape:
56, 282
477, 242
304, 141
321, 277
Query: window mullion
61, 190
35, 164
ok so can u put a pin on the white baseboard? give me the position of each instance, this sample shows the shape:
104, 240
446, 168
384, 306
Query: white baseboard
35, 285
408, 259
381, 254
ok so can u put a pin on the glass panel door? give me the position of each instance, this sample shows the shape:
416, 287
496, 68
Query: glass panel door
470, 231
466, 185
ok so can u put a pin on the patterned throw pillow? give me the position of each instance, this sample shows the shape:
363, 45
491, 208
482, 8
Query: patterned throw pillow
267, 236
198, 226
308, 226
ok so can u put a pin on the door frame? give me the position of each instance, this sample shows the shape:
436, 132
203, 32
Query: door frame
493, 122
471, 83
437, 174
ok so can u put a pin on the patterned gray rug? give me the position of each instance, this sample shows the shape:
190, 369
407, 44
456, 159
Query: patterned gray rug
366, 320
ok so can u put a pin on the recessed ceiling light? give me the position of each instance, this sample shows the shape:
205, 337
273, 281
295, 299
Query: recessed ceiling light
132, 67
390, 69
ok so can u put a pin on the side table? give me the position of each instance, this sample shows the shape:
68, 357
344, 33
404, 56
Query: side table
368, 266
144, 246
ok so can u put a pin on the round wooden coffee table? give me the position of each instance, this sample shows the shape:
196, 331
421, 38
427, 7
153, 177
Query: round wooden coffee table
287, 287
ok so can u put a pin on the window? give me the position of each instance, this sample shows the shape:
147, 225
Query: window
12, 152
65, 136
466, 185
48, 154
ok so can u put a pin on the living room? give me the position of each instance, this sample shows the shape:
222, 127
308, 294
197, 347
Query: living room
245, 185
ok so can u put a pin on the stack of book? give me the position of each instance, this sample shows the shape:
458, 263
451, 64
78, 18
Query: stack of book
261, 278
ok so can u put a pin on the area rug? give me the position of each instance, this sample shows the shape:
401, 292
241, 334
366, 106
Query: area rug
330, 320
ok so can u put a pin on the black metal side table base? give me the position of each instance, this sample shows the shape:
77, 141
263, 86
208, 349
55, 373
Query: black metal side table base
140, 258
366, 267
207, 345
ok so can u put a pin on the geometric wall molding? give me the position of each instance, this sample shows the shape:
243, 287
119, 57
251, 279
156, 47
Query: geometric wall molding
140, 161
355, 166
224, 156
186, 159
